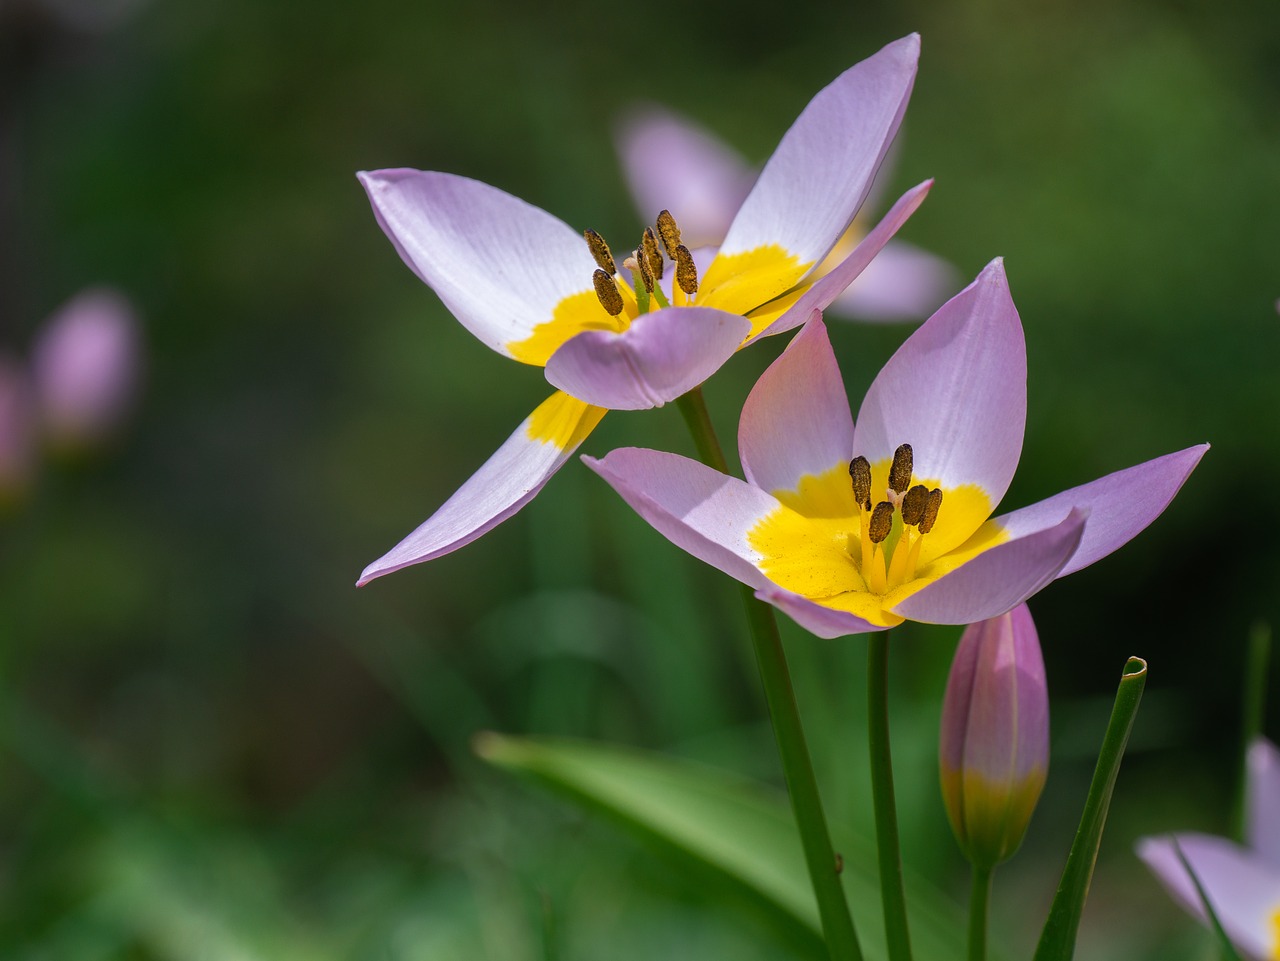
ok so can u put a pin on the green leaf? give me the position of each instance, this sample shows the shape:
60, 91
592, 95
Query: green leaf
1229, 952
740, 828
1058, 939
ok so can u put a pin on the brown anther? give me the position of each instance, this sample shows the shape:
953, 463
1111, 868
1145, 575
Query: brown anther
900, 470
651, 253
607, 292
600, 252
914, 502
860, 472
669, 233
931, 508
881, 522
686, 272
642, 268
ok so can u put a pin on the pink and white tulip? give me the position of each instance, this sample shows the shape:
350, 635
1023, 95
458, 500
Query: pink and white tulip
794, 530
993, 752
670, 160
524, 283
1242, 883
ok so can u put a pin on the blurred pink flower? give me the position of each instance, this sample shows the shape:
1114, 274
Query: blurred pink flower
993, 752
86, 366
1241, 883
670, 161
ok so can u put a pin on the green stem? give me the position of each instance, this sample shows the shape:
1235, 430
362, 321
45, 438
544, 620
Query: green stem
979, 903
893, 894
802, 785
1255, 675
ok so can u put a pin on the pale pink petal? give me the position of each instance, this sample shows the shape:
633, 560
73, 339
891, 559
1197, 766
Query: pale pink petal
505, 483
672, 163
956, 391
997, 580
1263, 802
814, 618
1243, 890
796, 420
831, 285
698, 509
86, 364
902, 283
1119, 505
499, 264
661, 355
821, 171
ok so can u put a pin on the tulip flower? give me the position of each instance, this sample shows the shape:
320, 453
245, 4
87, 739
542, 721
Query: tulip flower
85, 364
17, 432
993, 752
534, 290
1241, 883
666, 156
905, 529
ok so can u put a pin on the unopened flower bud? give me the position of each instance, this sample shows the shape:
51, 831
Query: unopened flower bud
994, 747
85, 363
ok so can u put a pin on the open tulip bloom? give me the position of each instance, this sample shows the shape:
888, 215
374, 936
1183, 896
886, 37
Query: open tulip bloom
1241, 883
904, 530
672, 161
535, 290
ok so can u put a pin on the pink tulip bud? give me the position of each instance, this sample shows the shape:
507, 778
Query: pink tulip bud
86, 367
17, 432
994, 747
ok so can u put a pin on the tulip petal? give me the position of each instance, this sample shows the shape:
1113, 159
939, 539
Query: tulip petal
660, 356
508, 480
1263, 803
698, 509
1120, 505
821, 171
1243, 890
672, 163
902, 283
956, 390
998, 579
825, 622
500, 265
796, 420
829, 288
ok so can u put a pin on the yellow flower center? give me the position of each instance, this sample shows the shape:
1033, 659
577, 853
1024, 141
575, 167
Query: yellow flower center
826, 542
759, 284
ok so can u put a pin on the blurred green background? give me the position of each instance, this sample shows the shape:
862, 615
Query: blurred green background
215, 747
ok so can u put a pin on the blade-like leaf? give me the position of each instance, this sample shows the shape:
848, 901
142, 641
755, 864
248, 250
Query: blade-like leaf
1229, 952
1058, 939
739, 827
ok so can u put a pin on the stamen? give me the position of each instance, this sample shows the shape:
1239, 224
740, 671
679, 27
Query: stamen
860, 473
607, 292
686, 272
931, 508
913, 504
669, 233
652, 255
900, 470
901, 558
600, 251
642, 266
881, 522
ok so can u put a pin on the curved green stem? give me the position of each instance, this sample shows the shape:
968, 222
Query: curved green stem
979, 903
802, 785
892, 891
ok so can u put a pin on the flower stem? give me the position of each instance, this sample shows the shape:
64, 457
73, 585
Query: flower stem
802, 785
892, 892
979, 902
